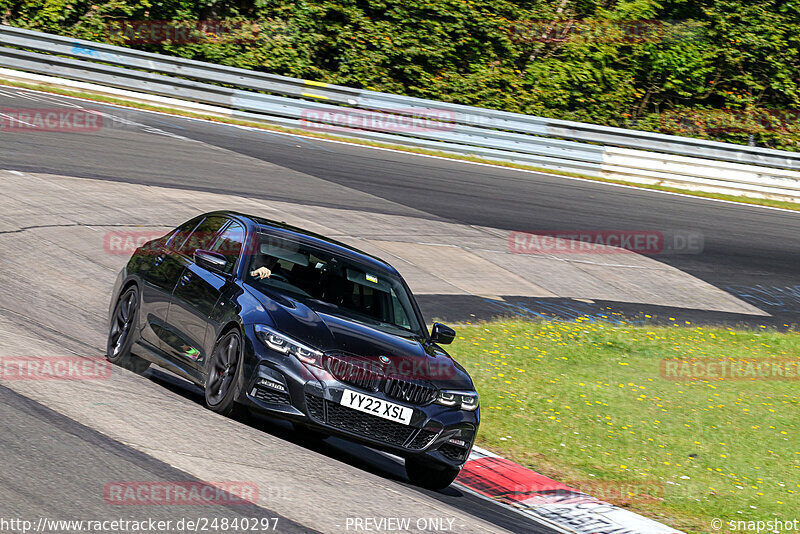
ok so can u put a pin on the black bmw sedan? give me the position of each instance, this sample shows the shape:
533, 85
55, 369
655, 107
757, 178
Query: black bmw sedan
268, 317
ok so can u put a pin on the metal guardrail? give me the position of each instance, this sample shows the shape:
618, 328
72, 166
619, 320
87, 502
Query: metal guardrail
468, 115
549, 143
175, 66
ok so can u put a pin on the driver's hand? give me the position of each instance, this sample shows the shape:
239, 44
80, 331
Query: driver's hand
261, 273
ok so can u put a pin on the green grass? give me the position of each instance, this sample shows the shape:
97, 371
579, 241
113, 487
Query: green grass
773, 203
585, 401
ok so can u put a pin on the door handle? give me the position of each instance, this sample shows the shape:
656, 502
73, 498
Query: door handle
159, 260
185, 279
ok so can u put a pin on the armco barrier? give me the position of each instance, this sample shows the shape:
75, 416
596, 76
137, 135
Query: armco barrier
588, 149
651, 167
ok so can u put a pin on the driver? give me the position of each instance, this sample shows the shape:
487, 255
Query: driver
269, 267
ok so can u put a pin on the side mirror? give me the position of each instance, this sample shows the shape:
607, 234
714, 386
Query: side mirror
212, 261
442, 334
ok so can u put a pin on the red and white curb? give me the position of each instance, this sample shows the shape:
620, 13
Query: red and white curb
563, 508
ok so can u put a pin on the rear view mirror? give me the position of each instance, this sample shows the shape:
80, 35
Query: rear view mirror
442, 334
212, 261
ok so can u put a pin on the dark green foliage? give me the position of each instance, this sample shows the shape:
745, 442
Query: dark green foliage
721, 69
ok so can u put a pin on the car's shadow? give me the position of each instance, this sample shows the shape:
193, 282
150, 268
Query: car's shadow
364, 458
350, 453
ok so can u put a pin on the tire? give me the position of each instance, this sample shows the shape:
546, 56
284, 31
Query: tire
429, 475
120, 333
223, 380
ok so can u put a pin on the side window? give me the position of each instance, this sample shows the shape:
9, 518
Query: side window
203, 236
179, 236
230, 243
400, 317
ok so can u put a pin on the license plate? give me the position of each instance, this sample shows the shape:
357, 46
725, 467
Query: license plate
379, 407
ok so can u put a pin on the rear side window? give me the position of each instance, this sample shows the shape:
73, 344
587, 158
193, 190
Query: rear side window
230, 243
203, 236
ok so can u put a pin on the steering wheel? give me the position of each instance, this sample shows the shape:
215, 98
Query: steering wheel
280, 277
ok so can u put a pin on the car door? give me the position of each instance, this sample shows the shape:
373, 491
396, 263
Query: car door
198, 290
159, 268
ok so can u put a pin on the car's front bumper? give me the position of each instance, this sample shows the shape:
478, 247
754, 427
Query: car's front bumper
283, 386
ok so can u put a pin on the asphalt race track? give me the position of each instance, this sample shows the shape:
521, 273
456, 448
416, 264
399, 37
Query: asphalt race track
61, 443
744, 247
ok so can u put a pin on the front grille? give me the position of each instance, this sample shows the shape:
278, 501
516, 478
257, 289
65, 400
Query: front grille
408, 391
422, 440
271, 396
453, 452
352, 371
367, 425
369, 376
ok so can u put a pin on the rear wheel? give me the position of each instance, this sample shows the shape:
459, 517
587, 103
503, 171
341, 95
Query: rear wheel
223, 382
430, 475
120, 335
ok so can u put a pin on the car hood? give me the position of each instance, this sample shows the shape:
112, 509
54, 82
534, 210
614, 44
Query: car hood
320, 328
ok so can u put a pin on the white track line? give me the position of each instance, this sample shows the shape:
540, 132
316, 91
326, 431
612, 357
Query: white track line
15, 119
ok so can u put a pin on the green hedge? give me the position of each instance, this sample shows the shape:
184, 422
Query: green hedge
718, 69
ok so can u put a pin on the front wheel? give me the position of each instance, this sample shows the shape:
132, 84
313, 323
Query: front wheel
121, 333
429, 475
223, 382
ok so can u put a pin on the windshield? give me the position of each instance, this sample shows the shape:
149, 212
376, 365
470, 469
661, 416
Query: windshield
341, 286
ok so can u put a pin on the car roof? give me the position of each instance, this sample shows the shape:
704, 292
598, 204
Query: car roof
307, 237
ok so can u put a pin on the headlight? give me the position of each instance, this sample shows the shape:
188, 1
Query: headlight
466, 400
286, 345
